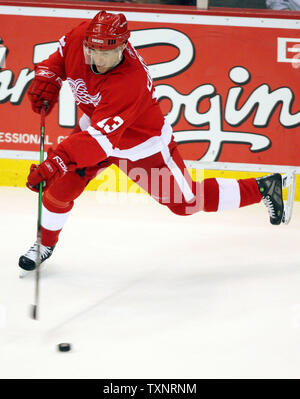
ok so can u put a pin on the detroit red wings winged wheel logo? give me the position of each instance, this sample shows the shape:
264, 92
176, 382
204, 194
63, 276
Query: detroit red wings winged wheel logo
81, 94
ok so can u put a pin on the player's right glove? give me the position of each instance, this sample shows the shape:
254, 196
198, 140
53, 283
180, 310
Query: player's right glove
44, 88
54, 165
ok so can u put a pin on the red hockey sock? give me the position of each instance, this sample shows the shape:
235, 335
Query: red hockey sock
250, 193
54, 215
58, 201
224, 194
50, 238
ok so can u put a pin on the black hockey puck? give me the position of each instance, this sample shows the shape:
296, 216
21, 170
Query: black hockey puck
64, 347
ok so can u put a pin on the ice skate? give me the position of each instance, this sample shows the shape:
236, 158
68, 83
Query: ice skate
27, 262
270, 188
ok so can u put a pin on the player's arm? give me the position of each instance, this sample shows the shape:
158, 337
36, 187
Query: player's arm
87, 148
77, 151
115, 113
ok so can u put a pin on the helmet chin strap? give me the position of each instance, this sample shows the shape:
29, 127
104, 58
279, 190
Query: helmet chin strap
120, 54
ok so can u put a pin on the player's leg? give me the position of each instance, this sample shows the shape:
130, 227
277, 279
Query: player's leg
165, 177
167, 180
154, 176
223, 194
218, 194
57, 203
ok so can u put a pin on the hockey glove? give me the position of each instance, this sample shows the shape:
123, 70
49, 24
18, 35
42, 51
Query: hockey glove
53, 166
44, 88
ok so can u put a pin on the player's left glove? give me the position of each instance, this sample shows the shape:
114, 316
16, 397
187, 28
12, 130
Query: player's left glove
55, 164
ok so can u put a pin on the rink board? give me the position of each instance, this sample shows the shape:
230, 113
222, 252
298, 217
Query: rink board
230, 96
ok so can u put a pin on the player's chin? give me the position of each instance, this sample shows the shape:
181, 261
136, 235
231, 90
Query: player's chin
102, 69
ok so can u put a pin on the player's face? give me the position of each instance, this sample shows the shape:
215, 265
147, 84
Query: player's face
107, 59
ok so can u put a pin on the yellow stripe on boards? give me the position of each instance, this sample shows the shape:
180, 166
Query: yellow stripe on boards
14, 172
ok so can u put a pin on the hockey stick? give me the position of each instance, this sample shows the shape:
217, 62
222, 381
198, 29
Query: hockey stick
34, 308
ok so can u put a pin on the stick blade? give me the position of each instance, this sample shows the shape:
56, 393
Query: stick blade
34, 312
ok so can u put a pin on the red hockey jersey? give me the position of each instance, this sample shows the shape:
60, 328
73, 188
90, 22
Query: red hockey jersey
122, 115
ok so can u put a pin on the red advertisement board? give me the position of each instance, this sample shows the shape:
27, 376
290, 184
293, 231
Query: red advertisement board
228, 86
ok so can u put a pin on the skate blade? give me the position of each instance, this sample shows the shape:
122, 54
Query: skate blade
289, 182
23, 273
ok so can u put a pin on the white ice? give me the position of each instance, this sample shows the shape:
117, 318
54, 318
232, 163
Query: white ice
142, 293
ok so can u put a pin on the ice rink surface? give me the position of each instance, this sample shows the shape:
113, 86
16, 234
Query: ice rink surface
142, 293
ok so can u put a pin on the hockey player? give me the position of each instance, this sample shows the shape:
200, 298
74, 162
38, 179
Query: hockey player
123, 125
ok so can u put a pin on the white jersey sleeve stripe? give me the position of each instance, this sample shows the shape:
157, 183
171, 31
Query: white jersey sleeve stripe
149, 147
